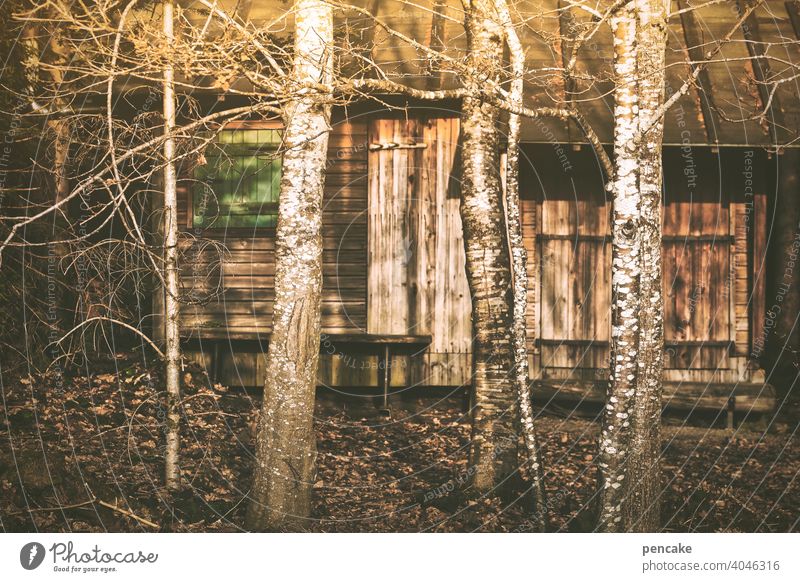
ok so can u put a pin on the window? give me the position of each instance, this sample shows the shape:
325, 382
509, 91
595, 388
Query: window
238, 187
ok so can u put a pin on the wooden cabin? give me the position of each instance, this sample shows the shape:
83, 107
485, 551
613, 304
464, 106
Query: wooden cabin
396, 306
394, 273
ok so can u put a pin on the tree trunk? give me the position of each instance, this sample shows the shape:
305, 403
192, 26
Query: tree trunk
629, 441
519, 271
644, 470
493, 452
625, 278
280, 498
171, 290
64, 299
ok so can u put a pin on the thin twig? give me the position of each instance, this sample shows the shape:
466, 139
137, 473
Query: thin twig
130, 514
92, 501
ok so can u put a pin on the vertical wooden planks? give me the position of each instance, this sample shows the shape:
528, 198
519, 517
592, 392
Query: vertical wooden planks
575, 293
425, 228
529, 229
758, 273
452, 326
700, 242
374, 218
388, 233
741, 221
417, 281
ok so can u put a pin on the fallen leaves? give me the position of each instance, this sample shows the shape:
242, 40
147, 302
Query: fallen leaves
102, 436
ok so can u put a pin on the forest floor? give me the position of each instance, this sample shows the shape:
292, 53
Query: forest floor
84, 455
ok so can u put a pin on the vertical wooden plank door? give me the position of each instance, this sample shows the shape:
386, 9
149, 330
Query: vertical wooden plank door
416, 280
697, 279
574, 253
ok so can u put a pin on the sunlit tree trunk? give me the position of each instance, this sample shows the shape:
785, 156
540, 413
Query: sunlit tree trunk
625, 268
644, 469
629, 441
493, 453
64, 299
171, 287
285, 447
519, 269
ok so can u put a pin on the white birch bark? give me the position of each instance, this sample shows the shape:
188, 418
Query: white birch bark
519, 270
625, 278
629, 441
493, 451
644, 484
172, 350
280, 498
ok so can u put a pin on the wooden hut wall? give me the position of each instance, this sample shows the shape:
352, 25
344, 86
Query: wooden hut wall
240, 313
567, 232
394, 261
714, 223
417, 281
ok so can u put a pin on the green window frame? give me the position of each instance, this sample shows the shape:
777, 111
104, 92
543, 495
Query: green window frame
239, 185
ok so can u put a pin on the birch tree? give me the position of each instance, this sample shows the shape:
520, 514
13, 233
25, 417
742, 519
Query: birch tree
519, 268
493, 449
280, 497
629, 441
172, 338
496, 259
645, 488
